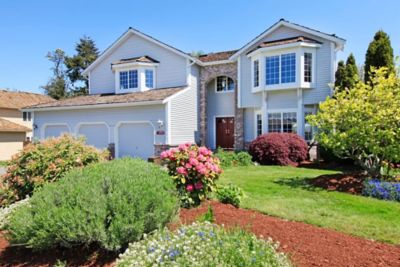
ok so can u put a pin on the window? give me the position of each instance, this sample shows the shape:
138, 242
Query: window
149, 78
272, 70
308, 129
256, 73
259, 124
282, 122
288, 68
225, 84
307, 67
26, 116
128, 79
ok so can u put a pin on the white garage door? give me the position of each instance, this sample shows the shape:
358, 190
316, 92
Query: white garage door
55, 130
135, 140
95, 134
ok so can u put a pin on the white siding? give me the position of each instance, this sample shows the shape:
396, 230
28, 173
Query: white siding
248, 99
249, 124
282, 99
170, 72
183, 113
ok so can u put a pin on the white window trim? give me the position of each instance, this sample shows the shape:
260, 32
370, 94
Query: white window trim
281, 111
256, 113
256, 88
223, 92
141, 68
154, 80
311, 84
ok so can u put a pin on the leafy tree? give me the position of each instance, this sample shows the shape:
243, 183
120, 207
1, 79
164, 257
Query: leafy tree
340, 75
363, 123
346, 75
379, 54
86, 53
57, 86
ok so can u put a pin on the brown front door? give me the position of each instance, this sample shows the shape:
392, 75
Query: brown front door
225, 132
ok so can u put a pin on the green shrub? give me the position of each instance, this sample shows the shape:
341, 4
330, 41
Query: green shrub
108, 204
208, 216
44, 162
232, 159
229, 194
202, 245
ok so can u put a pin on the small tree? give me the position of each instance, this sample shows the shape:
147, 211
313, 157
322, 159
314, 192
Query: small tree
346, 75
57, 86
340, 75
363, 123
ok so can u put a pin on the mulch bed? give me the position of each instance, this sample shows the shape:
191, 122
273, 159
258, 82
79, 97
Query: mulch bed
348, 182
306, 245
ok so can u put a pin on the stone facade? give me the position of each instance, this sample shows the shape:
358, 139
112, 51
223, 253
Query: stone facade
207, 74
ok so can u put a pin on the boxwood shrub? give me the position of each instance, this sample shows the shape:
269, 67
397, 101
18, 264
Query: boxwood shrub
108, 204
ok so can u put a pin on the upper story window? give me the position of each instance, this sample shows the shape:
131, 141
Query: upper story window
288, 68
26, 116
307, 67
256, 73
149, 76
280, 69
272, 70
224, 84
128, 79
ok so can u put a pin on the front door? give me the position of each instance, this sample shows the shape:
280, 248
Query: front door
225, 132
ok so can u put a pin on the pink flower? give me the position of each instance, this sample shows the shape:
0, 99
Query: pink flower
188, 166
182, 147
164, 154
189, 187
203, 171
181, 170
203, 150
198, 185
193, 161
192, 154
199, 166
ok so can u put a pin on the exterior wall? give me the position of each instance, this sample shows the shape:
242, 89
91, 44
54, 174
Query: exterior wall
249, 122
183, 124
282, 100
10, 144
220, 104
170, 72
14, 115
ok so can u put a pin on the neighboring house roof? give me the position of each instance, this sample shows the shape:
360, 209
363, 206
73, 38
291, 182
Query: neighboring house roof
290, 40
9, 126
108, 99
142, 59
18, 100
282, 22
217, 56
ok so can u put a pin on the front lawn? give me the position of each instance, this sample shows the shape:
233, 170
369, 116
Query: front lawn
283, 192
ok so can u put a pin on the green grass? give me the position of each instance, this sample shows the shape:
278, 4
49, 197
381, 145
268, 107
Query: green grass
3, 163
284, 192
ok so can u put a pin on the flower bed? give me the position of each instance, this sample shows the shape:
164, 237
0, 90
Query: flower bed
382, 190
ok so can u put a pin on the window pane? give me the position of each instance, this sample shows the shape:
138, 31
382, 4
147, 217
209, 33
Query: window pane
256, 73
307, 67
24, 116
308, 129
123, 80
289, 122
149, 78
274, 122
272, 70
29, 116
133, 79
225, 84
259, 124
288, 68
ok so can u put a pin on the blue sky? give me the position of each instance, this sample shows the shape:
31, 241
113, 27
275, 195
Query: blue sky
29, 29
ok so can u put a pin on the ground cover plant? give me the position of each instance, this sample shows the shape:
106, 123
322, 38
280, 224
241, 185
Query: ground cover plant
45, 162
202, 244
285, 192
194, 171
231, 158
106, 204
382, 190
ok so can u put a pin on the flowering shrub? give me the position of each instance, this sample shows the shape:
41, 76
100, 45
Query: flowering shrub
202, 244
382, 190
194, 170
44, 162
279, 148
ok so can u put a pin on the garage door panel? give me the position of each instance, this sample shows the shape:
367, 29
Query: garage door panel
55, 130
136, 140
96, 135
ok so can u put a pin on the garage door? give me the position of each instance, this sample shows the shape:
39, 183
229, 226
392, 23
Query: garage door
95, 134
55, 130
135, 140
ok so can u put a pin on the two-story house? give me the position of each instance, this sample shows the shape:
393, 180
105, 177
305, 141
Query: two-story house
146, 95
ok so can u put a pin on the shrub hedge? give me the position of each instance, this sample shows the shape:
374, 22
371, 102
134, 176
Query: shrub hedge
45, 162
232, 159
109, 204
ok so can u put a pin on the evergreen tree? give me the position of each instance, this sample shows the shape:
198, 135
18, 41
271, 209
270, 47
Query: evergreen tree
86, 53
340, 75
56, 87
351, 77
379, 54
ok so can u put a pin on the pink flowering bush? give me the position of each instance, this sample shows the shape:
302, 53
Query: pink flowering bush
194, 170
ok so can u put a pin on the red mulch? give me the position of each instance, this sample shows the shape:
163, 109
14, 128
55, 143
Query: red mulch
306, 245
349, 182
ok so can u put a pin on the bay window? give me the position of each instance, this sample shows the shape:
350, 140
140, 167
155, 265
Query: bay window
272, 70
288, 68
280, 69
307, 67
128, 79
256, 73
149, 76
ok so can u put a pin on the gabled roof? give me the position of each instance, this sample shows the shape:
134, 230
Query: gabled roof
142, 59
282, 22
109, 99
125, 35
216, 56
17, 100
9, 126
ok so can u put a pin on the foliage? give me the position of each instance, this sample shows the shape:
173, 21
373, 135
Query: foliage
284, 191
346, 75
194, 170
208, 216
57, 86
108, 204
232, 159
5, 212
379, 54
382, 190
340, 75
202, 244
279, 148
363, 124
229, 194
45, 162
86, 53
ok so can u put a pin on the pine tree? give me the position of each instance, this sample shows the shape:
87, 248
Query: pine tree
340, 75
86, 53
56, 87
379, 54
351, 77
